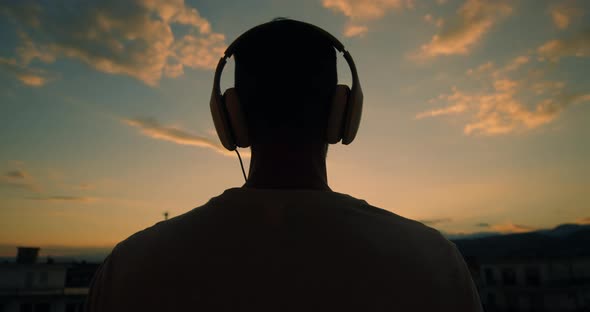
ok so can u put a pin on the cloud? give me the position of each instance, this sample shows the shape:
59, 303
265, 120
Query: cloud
585, 220
64, 198
153, 129
547, 87
436, 221
500, 112
563, 13
19, 179
513, 65
504, 106
460, 34
27, 76
483, 225
134, 38
481, 69
351, 30
554, 50
510, 227
461, 103
85, 186
16, 174
199, 52
438, 22
360, 12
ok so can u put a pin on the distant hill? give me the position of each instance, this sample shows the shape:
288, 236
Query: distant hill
566, 240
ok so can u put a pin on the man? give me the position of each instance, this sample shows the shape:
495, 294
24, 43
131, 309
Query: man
284, 241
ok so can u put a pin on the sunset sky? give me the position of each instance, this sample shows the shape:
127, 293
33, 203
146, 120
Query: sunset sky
476, 112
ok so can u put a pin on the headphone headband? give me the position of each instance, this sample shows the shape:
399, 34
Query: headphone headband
229, 52
335, 42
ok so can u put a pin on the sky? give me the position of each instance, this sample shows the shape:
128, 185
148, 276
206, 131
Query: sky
475, 114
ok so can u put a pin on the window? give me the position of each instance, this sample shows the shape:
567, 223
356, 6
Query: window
537, 302
43, 278
29, 279
509, 276
512, 303
489, 275
71, 307
491, 300
532, 276
74, 307
42, 307
26, 307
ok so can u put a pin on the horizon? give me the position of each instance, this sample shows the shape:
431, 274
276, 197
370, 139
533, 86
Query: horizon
98, 253
474, 120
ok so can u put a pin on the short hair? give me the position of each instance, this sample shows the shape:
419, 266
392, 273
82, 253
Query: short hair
285, 76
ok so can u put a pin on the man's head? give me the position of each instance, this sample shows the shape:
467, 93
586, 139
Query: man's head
285, 77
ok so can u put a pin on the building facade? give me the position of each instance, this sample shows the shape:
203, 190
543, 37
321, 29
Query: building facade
535, 284
29, 286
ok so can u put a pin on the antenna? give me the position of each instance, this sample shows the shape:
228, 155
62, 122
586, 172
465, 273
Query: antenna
165, 215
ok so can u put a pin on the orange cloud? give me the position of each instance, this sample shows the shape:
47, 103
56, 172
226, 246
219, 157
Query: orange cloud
64, 198
352, 30
438, 22
134, 40
27, 76
481, 69
32, 80
507, 227
501, 108
361, 11
578, 45
563, 13
461, 103
585, 220
198, 51
152, 128
510, 227
460, 34
435, 221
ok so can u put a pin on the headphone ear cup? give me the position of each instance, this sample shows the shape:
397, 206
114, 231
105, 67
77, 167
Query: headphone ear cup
220, 120
337, 114
237, 118
353, 115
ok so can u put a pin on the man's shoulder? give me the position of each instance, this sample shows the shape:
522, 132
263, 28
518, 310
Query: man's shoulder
161, 235
353, 217
390, 223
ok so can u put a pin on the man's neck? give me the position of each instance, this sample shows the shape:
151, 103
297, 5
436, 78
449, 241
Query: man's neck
285, 167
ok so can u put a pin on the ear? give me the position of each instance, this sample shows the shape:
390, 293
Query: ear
237, 119
337, 114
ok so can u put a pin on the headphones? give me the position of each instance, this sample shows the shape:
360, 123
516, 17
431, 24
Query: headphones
345, 112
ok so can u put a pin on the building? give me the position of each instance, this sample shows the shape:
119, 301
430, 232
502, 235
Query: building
540, 284
30, 286
543, 271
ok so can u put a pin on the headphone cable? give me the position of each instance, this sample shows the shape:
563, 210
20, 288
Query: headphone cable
241, 165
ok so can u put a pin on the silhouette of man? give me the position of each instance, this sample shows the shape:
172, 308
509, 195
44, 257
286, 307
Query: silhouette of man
284, 241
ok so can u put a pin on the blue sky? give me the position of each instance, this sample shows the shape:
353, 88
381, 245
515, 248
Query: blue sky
476, 112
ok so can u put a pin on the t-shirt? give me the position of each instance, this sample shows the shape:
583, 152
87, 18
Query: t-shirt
284, 250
